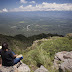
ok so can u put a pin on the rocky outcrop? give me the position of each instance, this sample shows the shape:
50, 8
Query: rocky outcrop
20, 67
69, 35
63, 61
41, 69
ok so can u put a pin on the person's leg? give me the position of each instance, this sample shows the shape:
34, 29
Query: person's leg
16, 60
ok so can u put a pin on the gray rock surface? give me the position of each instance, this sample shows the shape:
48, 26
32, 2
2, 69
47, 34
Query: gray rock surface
22, 67
7, 69
63, 61
41, 69
19, 67
66, 65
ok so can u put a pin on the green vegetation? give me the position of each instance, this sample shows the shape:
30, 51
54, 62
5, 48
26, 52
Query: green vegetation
38, 49
43, 52
21, 22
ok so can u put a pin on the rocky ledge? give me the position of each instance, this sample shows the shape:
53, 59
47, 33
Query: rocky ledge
63, 61
19, 67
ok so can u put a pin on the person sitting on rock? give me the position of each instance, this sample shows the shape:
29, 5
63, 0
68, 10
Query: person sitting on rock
8, 57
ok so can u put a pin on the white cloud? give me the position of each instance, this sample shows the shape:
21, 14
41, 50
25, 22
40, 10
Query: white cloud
33, 2
21, 6
42, 7
29, 6
23, 1
4, 10
54, 7
45, 7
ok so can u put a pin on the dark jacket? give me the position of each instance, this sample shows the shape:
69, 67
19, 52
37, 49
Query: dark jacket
7, 58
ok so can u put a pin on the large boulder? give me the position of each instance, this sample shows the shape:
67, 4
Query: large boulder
63, 61
19, 67
41, 69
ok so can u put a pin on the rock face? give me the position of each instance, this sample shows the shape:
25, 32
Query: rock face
69, 35
63, 61
41, 69
6, 69
20, 67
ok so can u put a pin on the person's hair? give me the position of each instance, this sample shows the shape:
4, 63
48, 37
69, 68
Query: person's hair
4, 46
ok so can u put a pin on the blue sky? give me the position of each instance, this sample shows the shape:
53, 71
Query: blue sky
35, 5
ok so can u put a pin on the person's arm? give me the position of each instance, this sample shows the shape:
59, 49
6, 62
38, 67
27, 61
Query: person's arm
15, 56
12, 55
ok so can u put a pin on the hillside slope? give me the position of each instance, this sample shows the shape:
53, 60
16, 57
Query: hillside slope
42, 52
39, 49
